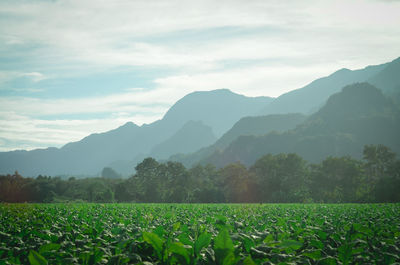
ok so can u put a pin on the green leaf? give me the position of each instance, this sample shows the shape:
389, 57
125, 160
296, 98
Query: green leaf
223, 247
178, 249
315, 255
344, 253
176, 226
49, 247
202, 241
36, 259
229, 259
316, 243
327, 261
96, 257
293, 244
154, 241
269, 238
389, 258
322, 235
185, 239
248, 261
248, 244
223, 241
159, 231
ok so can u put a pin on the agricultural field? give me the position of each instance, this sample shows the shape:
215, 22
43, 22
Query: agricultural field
199, 234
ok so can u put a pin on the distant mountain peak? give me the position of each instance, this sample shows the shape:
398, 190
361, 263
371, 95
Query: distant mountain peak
219, 108
129, 124
342, 70
220, 91
355, 100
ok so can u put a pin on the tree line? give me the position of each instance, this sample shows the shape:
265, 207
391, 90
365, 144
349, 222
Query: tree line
280, 178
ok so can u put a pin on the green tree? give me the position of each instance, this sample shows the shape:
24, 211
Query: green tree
239, 185
206, 185
148, 180
110, 173
282, 178
177, 182
381, 170
379, 159
337, 179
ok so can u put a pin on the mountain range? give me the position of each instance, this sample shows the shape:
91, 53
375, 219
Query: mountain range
220, 127
358, 115
209, 112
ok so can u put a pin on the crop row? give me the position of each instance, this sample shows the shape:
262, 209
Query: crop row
199, 234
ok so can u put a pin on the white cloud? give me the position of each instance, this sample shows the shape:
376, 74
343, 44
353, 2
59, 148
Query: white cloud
6, 76
23, 126
116, 33
30, 133
254, 48
35, 76
132, 102
251, 81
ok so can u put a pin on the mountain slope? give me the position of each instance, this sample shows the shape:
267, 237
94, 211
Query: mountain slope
219, 109
191, 137
360, 114
260, 125
254, 126
389, 78
83, 157
129, 143
311, 97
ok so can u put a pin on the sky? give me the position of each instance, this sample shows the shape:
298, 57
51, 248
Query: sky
72, 68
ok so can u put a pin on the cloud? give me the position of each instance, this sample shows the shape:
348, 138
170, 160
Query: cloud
250, 81
253, 48
35, 76
132, 102
7, 76
17, 131
37, 123
90, 32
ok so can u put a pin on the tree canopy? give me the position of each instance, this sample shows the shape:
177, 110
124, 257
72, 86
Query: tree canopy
272, 178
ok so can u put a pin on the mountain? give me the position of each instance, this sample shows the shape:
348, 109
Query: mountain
191, 137
87, 156
389, 78
260, 125
126, 145
310, 98
255, 126
219, 109
360, 114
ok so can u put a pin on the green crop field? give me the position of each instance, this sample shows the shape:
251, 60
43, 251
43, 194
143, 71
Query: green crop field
199, 234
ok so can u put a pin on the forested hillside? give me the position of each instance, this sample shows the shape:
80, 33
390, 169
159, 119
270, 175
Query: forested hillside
359, 115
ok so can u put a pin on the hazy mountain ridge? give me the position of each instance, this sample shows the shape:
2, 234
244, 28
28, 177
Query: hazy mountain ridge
358, 115
254, 126
220, 109
389, 78
312, 96
128, 144
301, 101
192, 136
